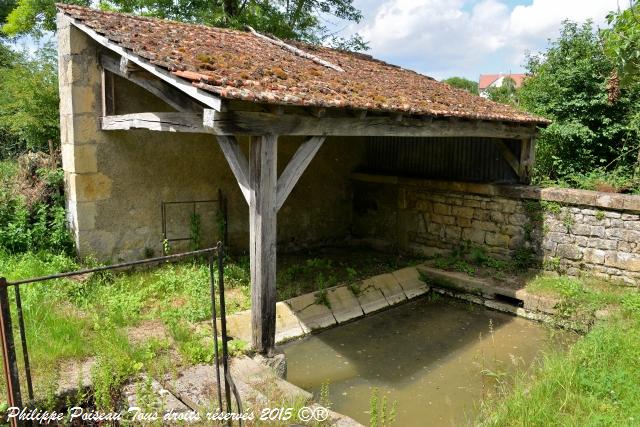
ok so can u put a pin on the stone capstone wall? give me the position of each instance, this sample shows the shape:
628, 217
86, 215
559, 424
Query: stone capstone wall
563, 229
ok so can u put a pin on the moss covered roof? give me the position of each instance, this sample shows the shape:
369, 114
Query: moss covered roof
240, 65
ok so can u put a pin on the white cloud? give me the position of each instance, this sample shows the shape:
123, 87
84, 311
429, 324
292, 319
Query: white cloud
462, 37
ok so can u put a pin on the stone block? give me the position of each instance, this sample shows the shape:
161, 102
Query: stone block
441, 209
311, 316
390, 288
518, 219
88, 187
482, 215
473, 235
560, 237
409, 280
485, 225
623, 261
79, 158
442, 219
497, 217
602, 243
370, 297
568, 251
497, 239
594, 256
452, 232
463, 212
162, 401
463, 222
344, 304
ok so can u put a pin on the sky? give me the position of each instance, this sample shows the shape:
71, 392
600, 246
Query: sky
444, 38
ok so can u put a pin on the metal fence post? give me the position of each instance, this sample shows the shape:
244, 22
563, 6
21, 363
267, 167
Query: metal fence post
9, 351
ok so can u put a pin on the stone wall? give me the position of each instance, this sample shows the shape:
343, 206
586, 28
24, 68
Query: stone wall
117, 180
567, 230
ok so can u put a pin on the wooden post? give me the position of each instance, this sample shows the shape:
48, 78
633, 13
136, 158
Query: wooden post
527, 159
263, 177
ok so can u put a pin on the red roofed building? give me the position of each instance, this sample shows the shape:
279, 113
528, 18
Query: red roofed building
495, 80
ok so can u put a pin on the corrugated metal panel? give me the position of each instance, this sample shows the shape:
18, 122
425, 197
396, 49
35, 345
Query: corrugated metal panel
455, 159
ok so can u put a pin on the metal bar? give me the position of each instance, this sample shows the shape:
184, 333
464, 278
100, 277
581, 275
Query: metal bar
223, 326
9, 352
23, 339
215, 328
109, 267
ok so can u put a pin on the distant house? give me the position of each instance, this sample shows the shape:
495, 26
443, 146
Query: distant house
495, 80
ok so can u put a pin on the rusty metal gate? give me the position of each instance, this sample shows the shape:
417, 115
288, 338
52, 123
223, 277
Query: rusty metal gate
215, 256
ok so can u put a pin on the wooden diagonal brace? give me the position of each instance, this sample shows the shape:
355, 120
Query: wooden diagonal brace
296, 167
237, 162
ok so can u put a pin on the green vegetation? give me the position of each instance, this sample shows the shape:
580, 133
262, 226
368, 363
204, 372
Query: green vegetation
474, 260
592, 142
596, 382
300, 20
462, 83
380, 415
507, 93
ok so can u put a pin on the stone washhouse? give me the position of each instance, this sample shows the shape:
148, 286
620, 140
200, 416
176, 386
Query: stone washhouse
307, 145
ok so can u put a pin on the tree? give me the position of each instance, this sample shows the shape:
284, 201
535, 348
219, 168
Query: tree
568, 85
462, 83
506, 93
29, 115
289, 19
622, 46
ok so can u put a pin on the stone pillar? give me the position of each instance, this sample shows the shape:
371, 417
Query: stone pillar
80, 110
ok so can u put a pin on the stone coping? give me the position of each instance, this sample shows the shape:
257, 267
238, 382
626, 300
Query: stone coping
614, 201
302, 315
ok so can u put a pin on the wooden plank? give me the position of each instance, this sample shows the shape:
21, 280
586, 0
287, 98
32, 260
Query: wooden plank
169, 94
185, 86
237, 162
262, 229
258, 123
509, 156
296, 167
107, 93
163, 122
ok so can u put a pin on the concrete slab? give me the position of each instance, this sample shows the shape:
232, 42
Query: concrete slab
337, 420
197, 387
287, 324
310, 315
344, 304
409, 280
264, 380
390, 288
370, 297
156, 396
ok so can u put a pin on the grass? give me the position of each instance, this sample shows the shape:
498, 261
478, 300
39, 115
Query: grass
69, 320
596, 382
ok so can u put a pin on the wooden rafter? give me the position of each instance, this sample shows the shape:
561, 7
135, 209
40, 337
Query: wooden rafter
127, 70
206, 98
237, 162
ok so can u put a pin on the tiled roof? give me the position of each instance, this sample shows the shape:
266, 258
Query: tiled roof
240, 65
487, 79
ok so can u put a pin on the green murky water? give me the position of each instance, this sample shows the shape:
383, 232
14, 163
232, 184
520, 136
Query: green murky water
426, 355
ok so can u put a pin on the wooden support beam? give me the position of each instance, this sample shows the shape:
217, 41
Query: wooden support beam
262, 246
509, 156
164, 122
169, 94
296, 167
257, 123
108, 93
237, 162
527, 159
